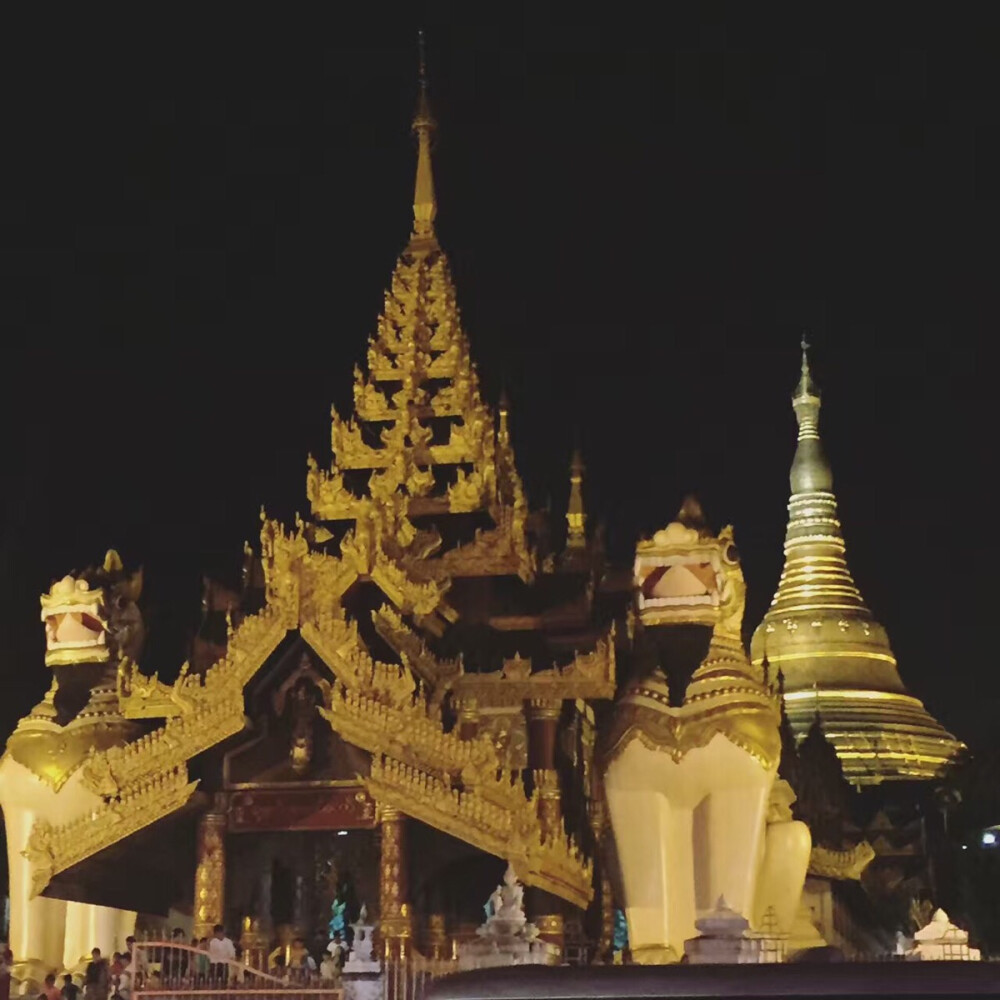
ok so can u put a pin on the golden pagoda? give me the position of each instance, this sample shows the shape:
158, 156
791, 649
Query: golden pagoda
835, 657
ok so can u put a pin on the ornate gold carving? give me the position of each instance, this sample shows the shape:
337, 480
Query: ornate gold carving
210, 874
405, 730
549, 801
54, 753
407, 594
54, 849
509, 733
209, 710
413, 651
508, 830
395, 919
328, 497
741, 717
589, 676
497, 552
467, 492
847, 865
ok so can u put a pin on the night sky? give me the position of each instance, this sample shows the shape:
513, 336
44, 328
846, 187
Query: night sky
197, 223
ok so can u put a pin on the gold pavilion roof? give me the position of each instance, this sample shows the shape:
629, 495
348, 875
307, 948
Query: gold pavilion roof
835, 657
421, 447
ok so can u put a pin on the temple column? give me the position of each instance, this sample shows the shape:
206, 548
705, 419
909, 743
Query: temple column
545, 911
210, 874
468, 718
394, 916
598, 816
543, 724
437, 936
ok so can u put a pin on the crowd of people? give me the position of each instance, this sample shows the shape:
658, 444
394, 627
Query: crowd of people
182, 962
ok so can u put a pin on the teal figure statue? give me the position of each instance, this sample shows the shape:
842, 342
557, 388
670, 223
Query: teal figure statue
338, 921
620, 935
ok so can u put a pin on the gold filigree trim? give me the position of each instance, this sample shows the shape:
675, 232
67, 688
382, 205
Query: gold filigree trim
53, 849
589, 676
556, 864
848, 864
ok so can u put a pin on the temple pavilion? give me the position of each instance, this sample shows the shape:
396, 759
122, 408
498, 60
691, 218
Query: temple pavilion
404, 693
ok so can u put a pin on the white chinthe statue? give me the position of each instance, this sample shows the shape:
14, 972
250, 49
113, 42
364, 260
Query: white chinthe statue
692, 755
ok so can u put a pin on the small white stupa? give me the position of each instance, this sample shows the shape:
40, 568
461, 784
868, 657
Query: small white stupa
506, 937
724, 938
942, 941
361, 959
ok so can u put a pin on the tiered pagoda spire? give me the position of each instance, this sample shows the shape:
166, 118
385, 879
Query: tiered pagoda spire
422, 442
424, 201
576, 515
835, 657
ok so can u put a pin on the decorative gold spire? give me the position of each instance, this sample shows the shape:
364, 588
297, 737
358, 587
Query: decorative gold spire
576, 516
424, 201
835, 657
810, 469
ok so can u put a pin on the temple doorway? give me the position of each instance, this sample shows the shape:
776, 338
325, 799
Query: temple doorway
290, 882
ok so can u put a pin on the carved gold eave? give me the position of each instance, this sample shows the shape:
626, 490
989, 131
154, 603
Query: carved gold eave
589, 677
408, 595
210, 710
502, 551
338, 644
410, 734
437, 674
54, 849
557, 865
845, 865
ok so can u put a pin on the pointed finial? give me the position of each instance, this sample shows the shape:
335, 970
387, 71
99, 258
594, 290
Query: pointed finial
422, 55
576, 515
424, 202
691, 515
810, 471
503, 433
806, 386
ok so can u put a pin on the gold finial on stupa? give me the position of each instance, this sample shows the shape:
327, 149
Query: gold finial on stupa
503, 432
576, 516
424, 202
811, 471
806, 387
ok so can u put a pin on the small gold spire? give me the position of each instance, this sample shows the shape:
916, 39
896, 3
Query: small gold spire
806, 387
424, 201
576, 516
503, 434
811, 471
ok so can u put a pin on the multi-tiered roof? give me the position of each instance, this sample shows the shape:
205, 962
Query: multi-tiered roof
422, 494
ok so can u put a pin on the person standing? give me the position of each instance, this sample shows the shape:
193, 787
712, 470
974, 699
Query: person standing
70, 990
96, 979
50, 991
6, 967
221, 951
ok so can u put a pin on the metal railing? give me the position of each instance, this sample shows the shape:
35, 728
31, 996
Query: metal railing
408, 977
176, 970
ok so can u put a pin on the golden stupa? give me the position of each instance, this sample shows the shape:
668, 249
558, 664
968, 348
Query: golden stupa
835, 657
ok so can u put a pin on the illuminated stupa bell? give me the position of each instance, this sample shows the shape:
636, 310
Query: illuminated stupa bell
835, 657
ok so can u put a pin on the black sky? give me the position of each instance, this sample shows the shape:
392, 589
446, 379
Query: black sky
197, 223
